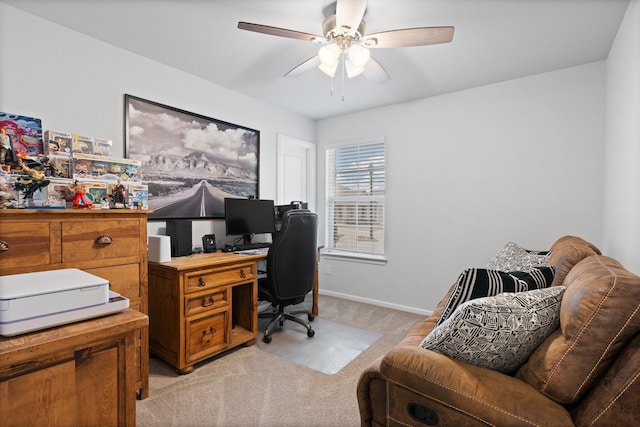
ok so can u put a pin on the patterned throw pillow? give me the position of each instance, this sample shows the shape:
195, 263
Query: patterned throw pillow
481, 282
498, 332
513, 257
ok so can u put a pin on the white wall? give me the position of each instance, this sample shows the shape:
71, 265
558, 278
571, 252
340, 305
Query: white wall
520, 160
622, 167
75, 83
469, 171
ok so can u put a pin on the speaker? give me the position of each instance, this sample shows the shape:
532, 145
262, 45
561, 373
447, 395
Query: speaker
209, 243
180, 233
159, 248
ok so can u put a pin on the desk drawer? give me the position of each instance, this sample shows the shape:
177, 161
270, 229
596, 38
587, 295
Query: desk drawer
79, 240
208, 279
206, 335
204, 302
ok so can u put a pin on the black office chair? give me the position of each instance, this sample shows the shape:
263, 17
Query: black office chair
291, 269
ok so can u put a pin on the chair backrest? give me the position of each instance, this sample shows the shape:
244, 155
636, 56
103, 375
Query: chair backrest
292, 257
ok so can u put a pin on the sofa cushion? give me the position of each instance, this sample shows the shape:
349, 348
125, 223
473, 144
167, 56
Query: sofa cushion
566, 252
498, 332
600, 313
481, 282
513, 257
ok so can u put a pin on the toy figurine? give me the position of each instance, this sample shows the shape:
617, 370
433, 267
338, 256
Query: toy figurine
105, 203
80, 200
5, 194
5, 150
119, 196
30, 181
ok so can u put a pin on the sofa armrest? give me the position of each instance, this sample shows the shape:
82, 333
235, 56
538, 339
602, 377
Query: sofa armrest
372, 396
457, 393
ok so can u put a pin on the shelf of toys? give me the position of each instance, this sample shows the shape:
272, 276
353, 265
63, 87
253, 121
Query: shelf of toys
58, 170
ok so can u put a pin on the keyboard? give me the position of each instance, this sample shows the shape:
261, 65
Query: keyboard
249, 246
246, 247
259, 251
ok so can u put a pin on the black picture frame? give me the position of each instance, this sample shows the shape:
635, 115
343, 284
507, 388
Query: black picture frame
189, 161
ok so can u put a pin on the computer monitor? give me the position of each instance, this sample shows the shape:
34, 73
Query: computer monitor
244, 217
281, 209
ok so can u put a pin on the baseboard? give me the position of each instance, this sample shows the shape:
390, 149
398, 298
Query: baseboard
399, 307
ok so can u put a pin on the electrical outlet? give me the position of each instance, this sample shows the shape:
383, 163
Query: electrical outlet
327, 269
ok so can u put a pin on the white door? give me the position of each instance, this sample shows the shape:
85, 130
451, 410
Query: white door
296, 171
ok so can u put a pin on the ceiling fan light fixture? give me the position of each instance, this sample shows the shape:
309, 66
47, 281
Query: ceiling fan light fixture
358, 55
329, 69
352, 69
329, 54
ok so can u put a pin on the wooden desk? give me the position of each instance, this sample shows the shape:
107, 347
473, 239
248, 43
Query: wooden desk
81, 374
202, 305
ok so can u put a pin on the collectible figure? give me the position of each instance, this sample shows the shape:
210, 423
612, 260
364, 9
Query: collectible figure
5, 194
119, 196
80, 196
31, 181
81, 169
5, 149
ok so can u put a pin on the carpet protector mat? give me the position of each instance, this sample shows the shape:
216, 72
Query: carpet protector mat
331, 349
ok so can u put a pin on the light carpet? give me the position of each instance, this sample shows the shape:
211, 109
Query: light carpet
248, 387
332, 347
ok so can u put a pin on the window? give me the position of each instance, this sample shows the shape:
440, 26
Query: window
355, 198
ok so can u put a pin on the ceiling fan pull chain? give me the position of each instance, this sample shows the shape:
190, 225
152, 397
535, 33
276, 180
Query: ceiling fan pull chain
342, 57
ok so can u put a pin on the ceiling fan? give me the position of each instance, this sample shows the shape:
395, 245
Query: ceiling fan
345, 42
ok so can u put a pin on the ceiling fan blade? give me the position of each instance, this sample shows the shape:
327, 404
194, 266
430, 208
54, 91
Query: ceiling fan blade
307, 65
409, 37
349, 14
281, 32
375, 72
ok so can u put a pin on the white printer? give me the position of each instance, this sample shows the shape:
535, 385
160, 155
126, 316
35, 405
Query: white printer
39, 300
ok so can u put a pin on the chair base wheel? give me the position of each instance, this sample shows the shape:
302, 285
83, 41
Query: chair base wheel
310, 333
311, 317
266, 339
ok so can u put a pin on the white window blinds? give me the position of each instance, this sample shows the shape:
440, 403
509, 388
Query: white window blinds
355, 198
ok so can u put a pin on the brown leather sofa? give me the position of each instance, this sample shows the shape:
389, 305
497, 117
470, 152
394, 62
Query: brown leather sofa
586, 373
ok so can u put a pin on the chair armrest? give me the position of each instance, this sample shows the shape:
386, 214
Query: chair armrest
462, 394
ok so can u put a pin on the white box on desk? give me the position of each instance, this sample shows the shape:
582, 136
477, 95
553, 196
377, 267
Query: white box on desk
39, 300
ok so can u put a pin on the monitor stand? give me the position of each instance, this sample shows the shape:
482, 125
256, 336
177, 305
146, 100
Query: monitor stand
246, 239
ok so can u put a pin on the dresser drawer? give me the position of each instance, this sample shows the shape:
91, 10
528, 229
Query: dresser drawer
80, 240
204, 302
206, 335
207, 279
28, 244
123, 279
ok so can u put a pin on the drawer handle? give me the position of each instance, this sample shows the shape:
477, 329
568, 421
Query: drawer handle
207, 302
104, 240
242, 275
201, 282
206, 335
4, 246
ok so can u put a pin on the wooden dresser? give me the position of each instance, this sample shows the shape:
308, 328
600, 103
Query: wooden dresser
80, 374
202, 305
111, 244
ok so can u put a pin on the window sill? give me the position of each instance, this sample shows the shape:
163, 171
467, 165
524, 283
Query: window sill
354, 256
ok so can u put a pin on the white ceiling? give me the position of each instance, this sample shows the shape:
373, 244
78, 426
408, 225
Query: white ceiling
494, 40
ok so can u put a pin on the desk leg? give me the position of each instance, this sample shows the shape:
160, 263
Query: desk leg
314, 307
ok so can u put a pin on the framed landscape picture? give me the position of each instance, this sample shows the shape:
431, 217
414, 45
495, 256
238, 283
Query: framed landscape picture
190, 162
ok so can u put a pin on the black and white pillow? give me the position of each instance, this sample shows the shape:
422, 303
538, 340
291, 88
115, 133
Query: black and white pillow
513, 257
482, 282
498, 332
